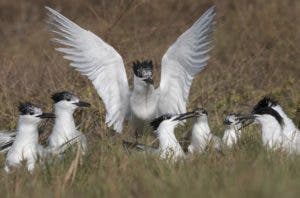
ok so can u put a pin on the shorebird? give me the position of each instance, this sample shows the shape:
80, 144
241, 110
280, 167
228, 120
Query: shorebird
202, 136
233, 128
163, 126
64, 132
104, 66
64, 129
25, 147
278, 130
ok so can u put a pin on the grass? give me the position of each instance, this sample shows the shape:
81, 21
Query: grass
256, 53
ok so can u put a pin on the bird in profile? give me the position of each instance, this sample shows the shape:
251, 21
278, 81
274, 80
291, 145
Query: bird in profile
163, 127
25, 146
104, 66
233, 128
202, 137
278, 130
64, 129
64, 132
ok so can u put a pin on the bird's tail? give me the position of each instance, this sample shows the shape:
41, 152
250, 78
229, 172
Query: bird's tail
61, 149
138, 146
6, 140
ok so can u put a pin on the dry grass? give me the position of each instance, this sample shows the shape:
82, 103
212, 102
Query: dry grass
257, 53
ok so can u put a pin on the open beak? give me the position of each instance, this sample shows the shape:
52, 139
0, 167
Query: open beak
246, 120
46, 115
227, 122
82, 104
149, 81
185, 116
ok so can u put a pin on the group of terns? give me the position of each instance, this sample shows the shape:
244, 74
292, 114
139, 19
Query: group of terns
163, 107
22, 144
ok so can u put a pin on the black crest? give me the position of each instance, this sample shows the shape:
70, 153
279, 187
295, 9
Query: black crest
27, 108
264, 103
156, 122
143, 68
59, 96
270, 111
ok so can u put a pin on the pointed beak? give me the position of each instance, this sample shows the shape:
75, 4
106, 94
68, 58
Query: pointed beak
82, 104
246, 119
185, 116
227, 122
46, 115
149, 81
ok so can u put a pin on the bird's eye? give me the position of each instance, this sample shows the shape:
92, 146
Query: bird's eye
68, 99
31, 113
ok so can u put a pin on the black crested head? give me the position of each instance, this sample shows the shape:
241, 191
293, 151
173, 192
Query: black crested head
59, 96
156, 122
27, 108
264, 103
269, 111
143, 68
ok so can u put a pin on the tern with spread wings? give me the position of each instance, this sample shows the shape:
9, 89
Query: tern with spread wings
104, 66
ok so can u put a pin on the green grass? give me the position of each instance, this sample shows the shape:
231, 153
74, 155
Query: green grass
257, 53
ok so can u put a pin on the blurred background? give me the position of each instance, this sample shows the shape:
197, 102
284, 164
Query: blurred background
256, 53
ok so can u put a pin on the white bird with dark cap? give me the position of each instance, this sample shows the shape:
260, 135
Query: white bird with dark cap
233, 128
25, 146
64, 132
202, 137
64, 129
163, 126
104, 66
278, 130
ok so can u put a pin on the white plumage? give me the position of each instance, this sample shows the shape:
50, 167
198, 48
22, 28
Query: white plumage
102, 64
25, 147
278, 130
202, 136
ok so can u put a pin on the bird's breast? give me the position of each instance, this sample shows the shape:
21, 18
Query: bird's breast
143, 107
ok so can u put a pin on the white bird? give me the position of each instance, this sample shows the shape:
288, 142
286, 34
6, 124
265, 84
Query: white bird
64, 129
25, 147
169, 147
278, 130
233, 128
64, 132
202, 136
104, 66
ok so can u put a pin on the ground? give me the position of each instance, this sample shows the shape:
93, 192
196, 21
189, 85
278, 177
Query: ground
256, 53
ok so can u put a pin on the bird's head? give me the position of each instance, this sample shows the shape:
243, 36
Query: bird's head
237, 120
143, 71
171, 120
267, 115
68, 101
201, 114
31, 114
264, 103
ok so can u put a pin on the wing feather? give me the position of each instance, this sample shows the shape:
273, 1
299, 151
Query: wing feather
183, 61
100, 62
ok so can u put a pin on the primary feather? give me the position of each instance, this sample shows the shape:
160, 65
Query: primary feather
100, 62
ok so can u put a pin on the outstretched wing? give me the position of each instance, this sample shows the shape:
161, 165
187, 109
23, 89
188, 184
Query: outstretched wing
183, 61
100, 62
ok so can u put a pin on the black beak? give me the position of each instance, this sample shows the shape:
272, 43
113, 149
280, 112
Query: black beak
82, 104
246, 120
227, 122
46, 115
185, 116
149, 80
